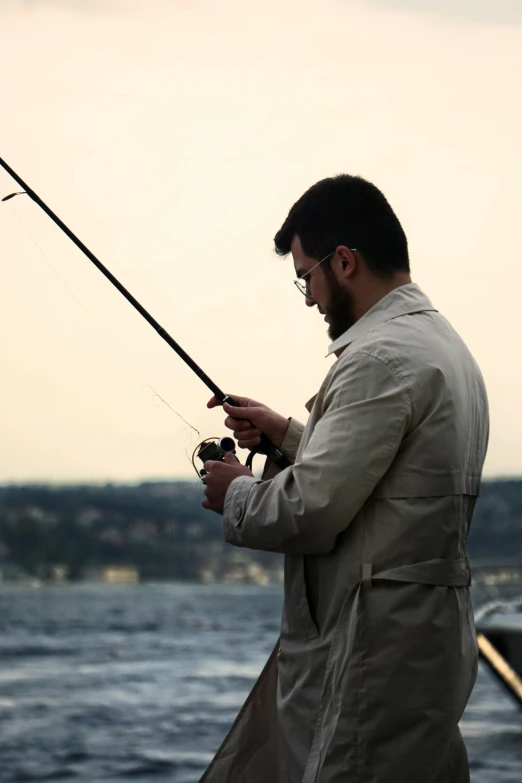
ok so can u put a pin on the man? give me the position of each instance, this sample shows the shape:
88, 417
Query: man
378, 654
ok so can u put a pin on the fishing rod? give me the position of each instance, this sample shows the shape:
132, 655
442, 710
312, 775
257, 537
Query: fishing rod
210, 450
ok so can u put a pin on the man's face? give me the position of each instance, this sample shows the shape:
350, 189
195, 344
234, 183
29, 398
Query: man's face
328, 290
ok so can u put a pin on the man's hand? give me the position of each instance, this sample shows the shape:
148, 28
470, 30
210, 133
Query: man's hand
218, 479
251, 419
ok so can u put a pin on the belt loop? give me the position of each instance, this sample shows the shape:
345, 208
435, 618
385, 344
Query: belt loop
367, 576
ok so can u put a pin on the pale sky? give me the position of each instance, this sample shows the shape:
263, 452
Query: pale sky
173, 137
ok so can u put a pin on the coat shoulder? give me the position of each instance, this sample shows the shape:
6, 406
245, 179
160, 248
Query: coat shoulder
423, 349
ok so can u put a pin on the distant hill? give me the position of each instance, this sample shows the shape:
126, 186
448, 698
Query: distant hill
161, 530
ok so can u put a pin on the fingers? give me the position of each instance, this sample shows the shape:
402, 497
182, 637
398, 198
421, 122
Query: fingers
249, 443
244, 432
214, 402
240, 412
248, 439
241, 428
242, 436
220, 475
237, 425
245, 421
244, 402
246, 436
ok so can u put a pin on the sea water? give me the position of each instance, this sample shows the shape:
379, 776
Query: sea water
140, 683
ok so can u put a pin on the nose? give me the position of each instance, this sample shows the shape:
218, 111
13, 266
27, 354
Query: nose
310, 302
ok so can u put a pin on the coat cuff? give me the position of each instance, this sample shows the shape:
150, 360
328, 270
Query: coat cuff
235, 507
289, 448
292, 439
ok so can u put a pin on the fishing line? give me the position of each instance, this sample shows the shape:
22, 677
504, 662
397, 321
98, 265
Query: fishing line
266, 446
155, 395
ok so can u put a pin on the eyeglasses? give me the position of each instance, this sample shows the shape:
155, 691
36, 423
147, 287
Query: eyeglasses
302, 284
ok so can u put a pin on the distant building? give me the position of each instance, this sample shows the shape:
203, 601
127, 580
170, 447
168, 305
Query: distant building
121, 575
115, 575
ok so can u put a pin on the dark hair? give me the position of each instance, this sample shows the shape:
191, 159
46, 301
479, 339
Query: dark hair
346, 210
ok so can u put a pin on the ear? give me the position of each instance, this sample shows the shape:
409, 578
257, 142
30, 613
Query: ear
347, 259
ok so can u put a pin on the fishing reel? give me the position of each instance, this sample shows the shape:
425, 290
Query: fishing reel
212, 448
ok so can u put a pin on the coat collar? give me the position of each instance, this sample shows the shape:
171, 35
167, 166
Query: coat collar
401, 301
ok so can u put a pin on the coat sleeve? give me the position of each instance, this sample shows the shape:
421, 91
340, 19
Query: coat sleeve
366, 414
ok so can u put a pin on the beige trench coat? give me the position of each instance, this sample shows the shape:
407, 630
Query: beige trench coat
378, 654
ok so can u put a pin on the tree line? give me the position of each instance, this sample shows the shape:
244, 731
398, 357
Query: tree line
161, 529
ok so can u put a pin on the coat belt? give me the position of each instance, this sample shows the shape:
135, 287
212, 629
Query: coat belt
439, 573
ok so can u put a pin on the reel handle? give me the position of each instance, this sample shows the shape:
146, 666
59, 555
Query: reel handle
265, 447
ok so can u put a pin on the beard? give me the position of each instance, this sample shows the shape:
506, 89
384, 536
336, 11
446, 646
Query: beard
340, 309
